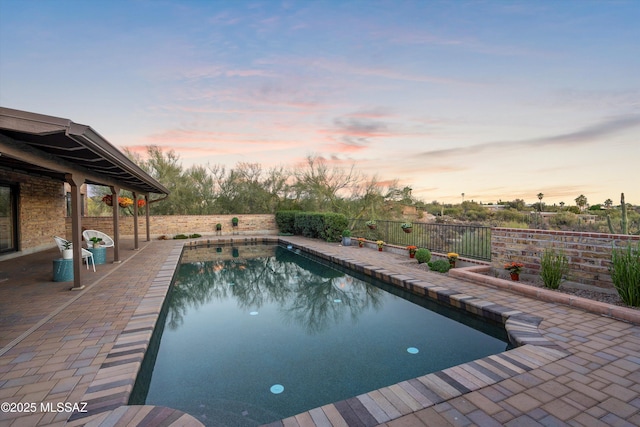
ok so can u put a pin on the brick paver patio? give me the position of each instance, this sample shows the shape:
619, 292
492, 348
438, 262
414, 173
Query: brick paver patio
576, 368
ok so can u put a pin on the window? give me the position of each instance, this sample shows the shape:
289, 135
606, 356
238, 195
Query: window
82, 202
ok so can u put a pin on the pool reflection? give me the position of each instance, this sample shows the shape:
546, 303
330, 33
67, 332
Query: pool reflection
306, 293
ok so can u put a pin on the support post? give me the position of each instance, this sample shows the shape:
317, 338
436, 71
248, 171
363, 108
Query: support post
146, 205
115, 191
76, 181
135, 221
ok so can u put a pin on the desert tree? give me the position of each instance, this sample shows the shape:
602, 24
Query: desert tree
581, 202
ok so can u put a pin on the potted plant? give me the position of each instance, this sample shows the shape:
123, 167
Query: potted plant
67, 251
218, 227
514, 269
371, 224
95, 241
407, 227
125, 202
412, 250
361, 242
234, 221
346, 238
380, 244
452, 257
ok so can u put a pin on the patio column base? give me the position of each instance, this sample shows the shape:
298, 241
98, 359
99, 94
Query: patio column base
77, 289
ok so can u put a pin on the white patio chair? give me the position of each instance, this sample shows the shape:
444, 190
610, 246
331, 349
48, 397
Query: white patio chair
86, 255
107, 241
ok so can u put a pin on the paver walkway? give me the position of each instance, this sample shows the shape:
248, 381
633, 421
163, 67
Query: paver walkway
74, 331
589, 375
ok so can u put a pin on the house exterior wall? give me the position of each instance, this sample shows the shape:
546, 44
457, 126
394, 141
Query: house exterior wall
41, 210
589, 254
171, 225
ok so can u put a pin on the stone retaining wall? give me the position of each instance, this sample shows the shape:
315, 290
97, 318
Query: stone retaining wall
589, 254
170, 225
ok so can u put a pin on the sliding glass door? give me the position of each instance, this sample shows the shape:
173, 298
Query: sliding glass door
8, 218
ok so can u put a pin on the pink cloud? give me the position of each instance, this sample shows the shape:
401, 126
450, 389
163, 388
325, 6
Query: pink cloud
180, 150
340, 147
178, 136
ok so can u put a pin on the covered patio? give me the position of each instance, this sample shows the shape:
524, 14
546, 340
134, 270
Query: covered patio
35, 150
53, 342
29, 297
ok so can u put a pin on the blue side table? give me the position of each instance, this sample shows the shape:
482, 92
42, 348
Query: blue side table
99, 255
62, 270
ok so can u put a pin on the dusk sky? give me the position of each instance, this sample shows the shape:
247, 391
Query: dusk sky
494, 99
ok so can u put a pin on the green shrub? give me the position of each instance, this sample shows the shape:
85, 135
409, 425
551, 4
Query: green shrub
304, 223
440, 265
333, 224
180, 236
625, 273
285, 220
510, 216
346, 233
194, 235
326, 226
423, 255
563, 220
553, 266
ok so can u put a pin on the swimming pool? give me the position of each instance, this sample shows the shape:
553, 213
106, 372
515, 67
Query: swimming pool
253, 334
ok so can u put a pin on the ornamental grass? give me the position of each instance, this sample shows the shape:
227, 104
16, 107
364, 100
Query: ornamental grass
625, 273
553, 267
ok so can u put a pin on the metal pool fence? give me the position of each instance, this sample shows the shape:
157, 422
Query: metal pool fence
465, 240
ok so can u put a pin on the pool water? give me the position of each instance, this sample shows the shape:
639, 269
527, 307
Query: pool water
255, 334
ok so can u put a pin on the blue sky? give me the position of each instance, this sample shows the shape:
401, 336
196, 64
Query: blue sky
494, 99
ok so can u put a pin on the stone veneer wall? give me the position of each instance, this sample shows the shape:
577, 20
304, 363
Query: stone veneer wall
171, 225
589, 254
41, 210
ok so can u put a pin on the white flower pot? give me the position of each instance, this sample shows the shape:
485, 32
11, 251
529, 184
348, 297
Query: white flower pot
67, 254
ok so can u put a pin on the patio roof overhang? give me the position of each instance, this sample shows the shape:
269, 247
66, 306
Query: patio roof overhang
65, 151
54, 147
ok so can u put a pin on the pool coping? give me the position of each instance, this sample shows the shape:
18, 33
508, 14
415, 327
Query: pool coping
111, 388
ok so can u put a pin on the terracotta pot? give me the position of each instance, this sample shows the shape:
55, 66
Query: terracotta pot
411, 255
361, 245
380, 249
372, 227
407, 230
452, 264
515, 277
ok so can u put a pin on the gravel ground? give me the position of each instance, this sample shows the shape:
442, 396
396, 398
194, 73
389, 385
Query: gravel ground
609, 297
